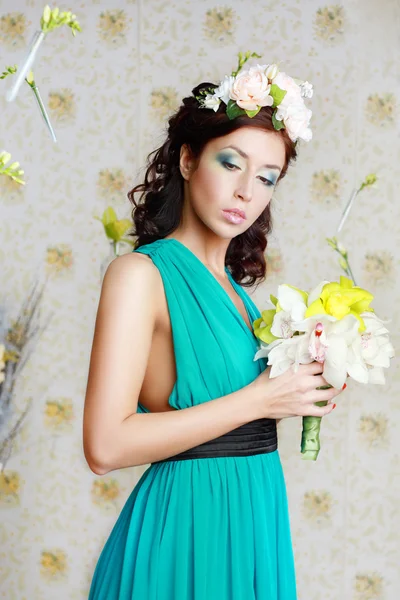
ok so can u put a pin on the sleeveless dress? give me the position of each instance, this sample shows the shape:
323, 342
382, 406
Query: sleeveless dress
207, 528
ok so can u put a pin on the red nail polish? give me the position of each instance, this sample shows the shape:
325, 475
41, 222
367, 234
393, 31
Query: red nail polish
334, 406
344, 386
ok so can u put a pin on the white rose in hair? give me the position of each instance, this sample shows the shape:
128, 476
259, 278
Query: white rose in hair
292, 96
292, 110
297, 120
223, 90
251, 89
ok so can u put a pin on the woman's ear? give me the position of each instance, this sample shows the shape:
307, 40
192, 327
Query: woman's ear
186, 162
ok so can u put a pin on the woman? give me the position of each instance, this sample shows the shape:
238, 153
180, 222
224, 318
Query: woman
172, 380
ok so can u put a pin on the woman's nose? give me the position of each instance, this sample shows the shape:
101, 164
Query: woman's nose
244, 191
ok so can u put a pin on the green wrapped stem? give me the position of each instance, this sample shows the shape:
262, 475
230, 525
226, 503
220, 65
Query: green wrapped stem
310, 442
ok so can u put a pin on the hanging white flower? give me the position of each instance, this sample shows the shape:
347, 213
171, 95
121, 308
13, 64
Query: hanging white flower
211, 101
306, 89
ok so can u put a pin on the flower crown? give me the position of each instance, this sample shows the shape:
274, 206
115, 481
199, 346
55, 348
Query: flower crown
247, 91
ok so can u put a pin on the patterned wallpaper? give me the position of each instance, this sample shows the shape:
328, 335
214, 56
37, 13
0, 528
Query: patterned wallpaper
108, 92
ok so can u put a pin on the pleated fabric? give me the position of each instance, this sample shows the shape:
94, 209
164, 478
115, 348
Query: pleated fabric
209, 528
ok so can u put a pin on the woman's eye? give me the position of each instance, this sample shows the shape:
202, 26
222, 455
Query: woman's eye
229, 166
266, 181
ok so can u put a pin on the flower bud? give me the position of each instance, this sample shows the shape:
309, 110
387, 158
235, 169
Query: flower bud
5, 157
272, 71
370, 179
46, 14
343, 264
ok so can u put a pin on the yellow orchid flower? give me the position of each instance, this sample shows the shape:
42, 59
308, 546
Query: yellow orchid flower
341, 299
114, 229
262, 326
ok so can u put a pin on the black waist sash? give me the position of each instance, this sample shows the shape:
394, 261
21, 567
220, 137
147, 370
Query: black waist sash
256, 437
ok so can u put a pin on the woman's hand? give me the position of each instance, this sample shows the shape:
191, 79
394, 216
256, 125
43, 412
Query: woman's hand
294, 394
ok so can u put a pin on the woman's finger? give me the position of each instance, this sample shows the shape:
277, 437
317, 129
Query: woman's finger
324, 395
317, 381
314, 368
317, 411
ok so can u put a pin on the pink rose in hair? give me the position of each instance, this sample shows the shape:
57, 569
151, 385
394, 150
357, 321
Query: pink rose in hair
251, 89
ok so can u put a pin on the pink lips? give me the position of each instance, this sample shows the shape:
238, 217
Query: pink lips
237, 211
234, 216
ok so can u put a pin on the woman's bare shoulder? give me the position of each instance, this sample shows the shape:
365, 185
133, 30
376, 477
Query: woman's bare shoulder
132, 265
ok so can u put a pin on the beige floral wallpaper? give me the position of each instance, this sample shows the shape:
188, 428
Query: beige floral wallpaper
108, 92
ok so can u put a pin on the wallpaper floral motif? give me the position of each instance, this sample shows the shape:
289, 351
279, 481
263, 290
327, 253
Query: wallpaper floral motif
329, 23
326, 188
164, 102
112, 27
109, 92
380, 109
62, 106
12, 30
220, 25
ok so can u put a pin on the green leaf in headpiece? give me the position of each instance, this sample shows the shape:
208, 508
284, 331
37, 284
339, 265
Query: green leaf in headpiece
277, 124
233, 110
277, 94
253, 113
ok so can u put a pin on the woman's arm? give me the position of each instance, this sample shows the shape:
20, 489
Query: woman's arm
114, 435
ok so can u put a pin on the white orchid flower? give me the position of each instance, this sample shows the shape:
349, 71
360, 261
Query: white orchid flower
291, 307
370, 352
284, 353
328, 341
323, 339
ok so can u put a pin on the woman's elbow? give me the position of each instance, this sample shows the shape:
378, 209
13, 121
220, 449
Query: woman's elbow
97, 461
97, 468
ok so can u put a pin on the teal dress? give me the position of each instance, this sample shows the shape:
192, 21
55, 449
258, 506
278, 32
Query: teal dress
207, 528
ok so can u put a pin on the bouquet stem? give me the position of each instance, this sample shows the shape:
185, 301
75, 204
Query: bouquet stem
310, 442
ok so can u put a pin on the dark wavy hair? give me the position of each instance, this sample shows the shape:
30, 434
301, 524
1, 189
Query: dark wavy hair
158, 212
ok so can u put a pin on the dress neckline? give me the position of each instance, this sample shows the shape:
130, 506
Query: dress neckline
235, 286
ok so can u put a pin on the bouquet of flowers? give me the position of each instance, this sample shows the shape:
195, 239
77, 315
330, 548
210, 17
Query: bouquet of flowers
334, 325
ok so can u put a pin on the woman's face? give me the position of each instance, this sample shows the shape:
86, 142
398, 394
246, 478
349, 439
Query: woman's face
237, 171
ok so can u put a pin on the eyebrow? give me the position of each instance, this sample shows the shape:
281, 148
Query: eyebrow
239, 151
